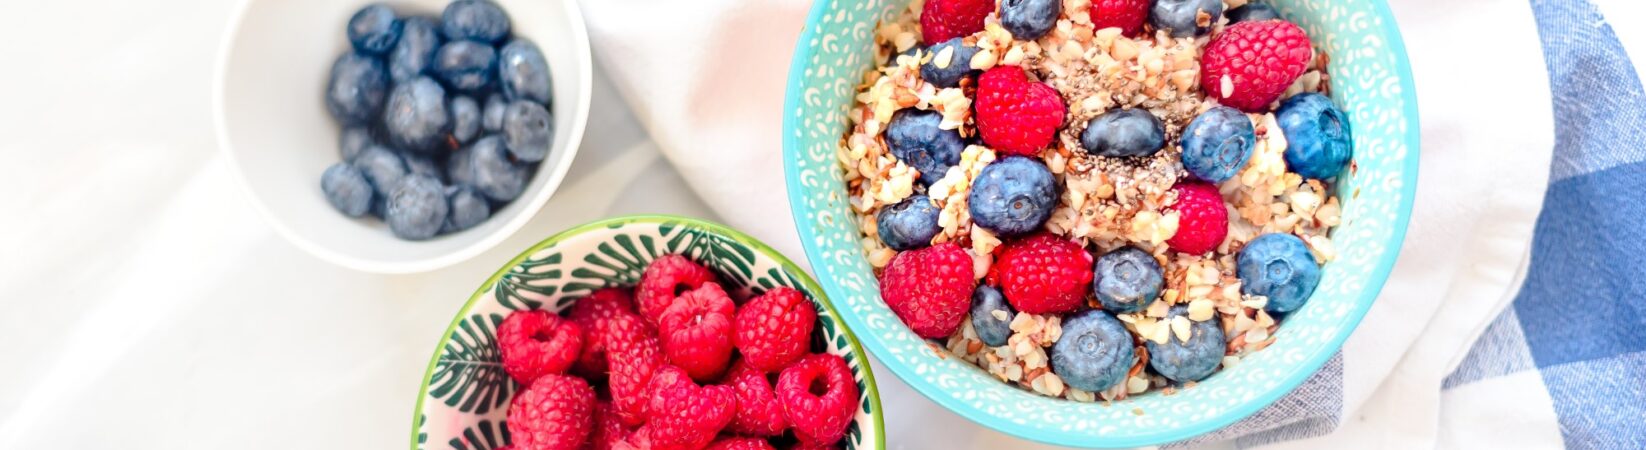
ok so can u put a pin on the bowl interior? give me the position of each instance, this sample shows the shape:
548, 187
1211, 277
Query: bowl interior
1371, 81
465, 394
273, 123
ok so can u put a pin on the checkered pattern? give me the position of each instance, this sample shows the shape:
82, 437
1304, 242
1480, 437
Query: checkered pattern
1579, 322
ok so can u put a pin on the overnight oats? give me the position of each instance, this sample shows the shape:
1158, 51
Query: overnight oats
1092, 199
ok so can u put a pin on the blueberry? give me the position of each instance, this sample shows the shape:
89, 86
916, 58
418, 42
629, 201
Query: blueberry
1013, 196
465, 118
1029, 19
347, 189
528, 129
416, 118
478, 20
1187, 361
423, 165
1251, 12
915, 138
354, 140
382, 168
468, 208
417, 208
1217, 143
466, 65
523, 72
460, 167
1095, 351
1127, 279
1318, 136
950, 62
490, 171
1124, 132
1280, 267
373, 30
491, 118
412, 56
910, 224
993, 331
1182, 17
355, 92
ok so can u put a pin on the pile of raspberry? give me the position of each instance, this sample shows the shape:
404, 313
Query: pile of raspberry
675, 363
1249, 57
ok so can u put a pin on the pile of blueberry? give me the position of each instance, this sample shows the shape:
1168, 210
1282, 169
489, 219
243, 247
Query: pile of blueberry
444, 119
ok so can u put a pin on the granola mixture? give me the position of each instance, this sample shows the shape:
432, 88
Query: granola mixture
1105, 202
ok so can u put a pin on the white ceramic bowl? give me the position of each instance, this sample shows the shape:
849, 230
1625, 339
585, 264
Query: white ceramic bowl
272, 123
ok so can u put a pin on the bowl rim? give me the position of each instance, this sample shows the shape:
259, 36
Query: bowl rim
799, 209
869, 386
584, 63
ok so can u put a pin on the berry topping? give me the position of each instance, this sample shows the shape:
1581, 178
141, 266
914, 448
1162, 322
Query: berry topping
908, 225
1217, 144
536, 343
684, 415
554, 413
1319, 142
1250, 64
1187, 360
991, 316
1127, 279
929, 288
1015, 115
696, 331
1095, 351
951, 61
1124, 132
665, 278
1202, 220
758, 412
1013, 196
1043, 274
914, 137
941, 20
1127, 15
819, 397
1280, 267
774, 329
1185, 18
1028, 20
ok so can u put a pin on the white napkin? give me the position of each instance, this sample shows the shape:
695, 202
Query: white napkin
707, 79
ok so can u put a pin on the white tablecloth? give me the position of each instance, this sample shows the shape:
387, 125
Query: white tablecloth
143, 304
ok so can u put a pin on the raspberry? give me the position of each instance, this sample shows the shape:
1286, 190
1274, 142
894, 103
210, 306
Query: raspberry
536, 343
634, 359
758, 412
741, 444
665, 278
942, 20
608, 429
696, 332
1127, 15
683, 414
597, 332
1260, 60
602, 303
1043, 274
1015, 115
803, 445
554, 413
930, 289
774, 329
1202, 220
818, 417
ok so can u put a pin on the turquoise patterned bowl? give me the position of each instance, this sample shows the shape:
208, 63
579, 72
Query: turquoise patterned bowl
1371, 81
465, 395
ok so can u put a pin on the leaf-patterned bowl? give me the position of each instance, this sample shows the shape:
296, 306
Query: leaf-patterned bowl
465, 394
1371, 81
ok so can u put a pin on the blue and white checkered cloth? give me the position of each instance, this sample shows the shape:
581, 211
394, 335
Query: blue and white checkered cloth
1579, 321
